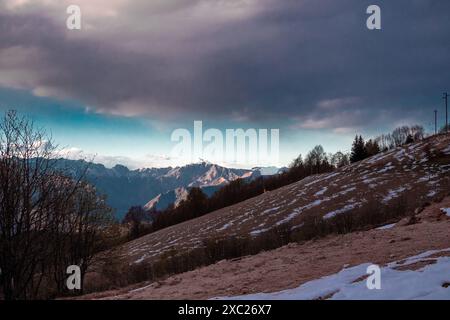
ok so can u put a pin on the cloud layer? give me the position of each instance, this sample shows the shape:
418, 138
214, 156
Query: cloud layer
312, 64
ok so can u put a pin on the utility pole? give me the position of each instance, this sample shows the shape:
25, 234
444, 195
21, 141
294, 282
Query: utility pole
435, 121
446, 111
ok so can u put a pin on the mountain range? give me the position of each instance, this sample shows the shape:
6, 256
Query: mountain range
156, 188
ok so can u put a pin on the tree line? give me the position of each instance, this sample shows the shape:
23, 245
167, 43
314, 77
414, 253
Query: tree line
397, 138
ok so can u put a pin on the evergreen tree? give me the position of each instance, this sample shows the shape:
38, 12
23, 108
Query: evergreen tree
372, 148
196, 202
359, 151
297, 162
135, 216
354, 155
409, 139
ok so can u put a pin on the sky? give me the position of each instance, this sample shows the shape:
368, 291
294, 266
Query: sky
137, 70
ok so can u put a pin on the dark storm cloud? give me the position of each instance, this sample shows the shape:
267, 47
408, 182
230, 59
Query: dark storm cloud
313, 63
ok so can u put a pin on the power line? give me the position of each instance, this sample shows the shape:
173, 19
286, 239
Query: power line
435, 121
446, 111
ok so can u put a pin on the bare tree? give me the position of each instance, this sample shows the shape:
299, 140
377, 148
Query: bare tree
44, 218
340, 159
135, 216
400, 136
316, 158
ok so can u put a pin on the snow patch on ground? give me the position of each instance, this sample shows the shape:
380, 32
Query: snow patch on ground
400, 155
432, 193
326, 177
270, 210
225, 226
422, 284
447, 150
388, 226
298, 211
346, 208
259, 231
344, 192
369, 180
321, 192
388, 167
140, 259
428, 178
393, 193
446, 211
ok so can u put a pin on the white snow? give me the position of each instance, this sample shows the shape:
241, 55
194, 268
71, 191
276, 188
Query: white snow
259, 231
298, 211
344, 192
321, 192
380, 156
270, 210
388, 226
432, 193
388, 167
422, 284
393, 193
346, 208
446, 211
225, 226
369, 180
427, 177
140, 259
400, 155
322, 178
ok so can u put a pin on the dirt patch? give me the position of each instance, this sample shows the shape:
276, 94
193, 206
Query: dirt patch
362, 278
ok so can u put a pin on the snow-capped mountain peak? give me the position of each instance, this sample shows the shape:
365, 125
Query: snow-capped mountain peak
149, 186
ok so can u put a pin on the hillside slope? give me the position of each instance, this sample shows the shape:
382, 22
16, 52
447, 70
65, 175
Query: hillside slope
320, 269
418, 173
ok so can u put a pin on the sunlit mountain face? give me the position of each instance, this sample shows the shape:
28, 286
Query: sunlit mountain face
155, 188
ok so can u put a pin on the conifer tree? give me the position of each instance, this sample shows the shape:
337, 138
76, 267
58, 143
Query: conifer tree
359, 151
